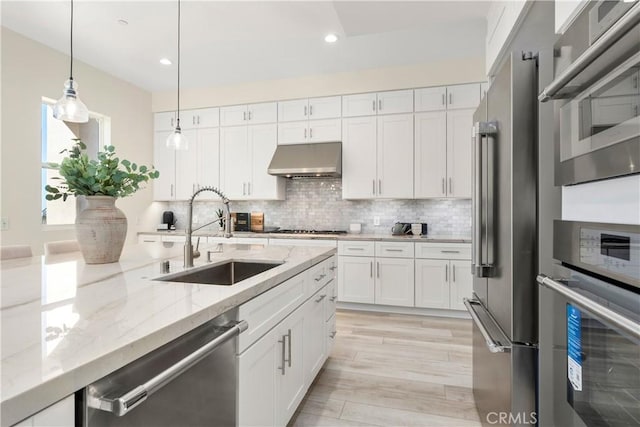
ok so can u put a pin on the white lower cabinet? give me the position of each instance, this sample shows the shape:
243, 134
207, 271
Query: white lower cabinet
276, 367
61, 413
394, 282
443, 279
386, 280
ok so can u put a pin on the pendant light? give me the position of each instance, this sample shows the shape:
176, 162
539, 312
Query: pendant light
177, 140
69, 108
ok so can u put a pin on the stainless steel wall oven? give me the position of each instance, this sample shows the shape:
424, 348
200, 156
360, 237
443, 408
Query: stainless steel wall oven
597, 85
590, 331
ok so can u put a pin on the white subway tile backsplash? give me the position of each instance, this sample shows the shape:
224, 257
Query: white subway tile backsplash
318, 203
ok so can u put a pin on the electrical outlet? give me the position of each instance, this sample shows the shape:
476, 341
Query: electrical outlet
4, 223
376, 220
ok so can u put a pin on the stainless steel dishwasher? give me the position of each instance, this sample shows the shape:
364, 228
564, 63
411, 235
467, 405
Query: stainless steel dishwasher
190, 381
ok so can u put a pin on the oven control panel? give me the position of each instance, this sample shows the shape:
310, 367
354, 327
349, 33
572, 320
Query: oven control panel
614, 251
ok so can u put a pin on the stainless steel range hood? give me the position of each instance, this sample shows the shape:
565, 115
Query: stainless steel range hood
307, 160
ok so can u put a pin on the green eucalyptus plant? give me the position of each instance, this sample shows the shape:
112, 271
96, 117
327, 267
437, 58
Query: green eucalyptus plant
82, 176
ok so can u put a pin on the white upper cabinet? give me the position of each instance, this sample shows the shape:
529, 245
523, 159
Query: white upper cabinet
503, 21
200, 118
328, 107
565, 12
377, 157
431, 99
265, 112
367, 104
447, 97
164, 160
459, 137
309, 120
164, 121
430, 154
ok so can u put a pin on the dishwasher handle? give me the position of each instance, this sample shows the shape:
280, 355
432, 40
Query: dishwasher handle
120, 406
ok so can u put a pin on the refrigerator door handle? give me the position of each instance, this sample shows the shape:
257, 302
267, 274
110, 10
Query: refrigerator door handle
494, 345
483, 154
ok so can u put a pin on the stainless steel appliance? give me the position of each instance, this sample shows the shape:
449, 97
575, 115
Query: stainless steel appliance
590, 331
307, 160
503, 306
597, 85
188, 382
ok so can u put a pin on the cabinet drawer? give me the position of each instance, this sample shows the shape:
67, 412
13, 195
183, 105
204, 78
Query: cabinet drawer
182, 239
302, 242
318, 276
356, 248
148, 238
443, 250
394, 249
267, 310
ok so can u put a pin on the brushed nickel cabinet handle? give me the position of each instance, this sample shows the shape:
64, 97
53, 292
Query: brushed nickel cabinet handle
321, 298
289, 335
305, 110
310, 133
378, 269
371, 269
450, 98
454, 272
379, 104
305, 133
443, 96
249, 115
446, 273
171, 190
443, 189
450, 186
374, 187
248, 188
244, 115
380, 187
374, 105
310, 110
283, 341
333, 334
333, 298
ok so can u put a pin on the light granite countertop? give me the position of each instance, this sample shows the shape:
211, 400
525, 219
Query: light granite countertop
66, 324
348, 236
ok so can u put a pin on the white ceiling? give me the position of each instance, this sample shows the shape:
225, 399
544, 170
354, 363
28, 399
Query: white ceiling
229, 42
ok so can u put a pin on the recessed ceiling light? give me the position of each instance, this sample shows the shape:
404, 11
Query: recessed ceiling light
331, 38
123, 22
165, 61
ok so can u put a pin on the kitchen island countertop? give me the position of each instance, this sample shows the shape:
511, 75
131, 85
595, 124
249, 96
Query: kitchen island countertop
66, 324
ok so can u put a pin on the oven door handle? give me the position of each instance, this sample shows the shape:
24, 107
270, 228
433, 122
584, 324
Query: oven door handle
617, 30
120, 406
598, 310
494, 346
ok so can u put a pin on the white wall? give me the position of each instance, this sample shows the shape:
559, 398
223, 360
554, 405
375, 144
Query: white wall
445, 72
30, 71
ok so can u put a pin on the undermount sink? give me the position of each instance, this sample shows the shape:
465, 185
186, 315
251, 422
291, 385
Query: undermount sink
226, 274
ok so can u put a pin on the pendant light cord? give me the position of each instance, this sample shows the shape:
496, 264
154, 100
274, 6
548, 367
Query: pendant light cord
178, 121
71, 38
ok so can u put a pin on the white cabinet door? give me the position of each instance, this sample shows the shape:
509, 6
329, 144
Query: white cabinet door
461, 284
431, 284
61, 413
290, 386
325, 130
359, 158
264, 112
484, 87
258, 370
395, 156
208, 117
328, 107
235, 166
364, 104
262, 143
189, 119
164, 121
295, 110
164, 160
208, 162
292, 132
463, 96
314, 334
430, 154
394, 282
186, 161
331, 333
233, 116
355, 279
459, 137
431, 99
397, 101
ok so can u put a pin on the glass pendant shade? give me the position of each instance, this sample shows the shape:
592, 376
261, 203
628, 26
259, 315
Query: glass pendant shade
70, 108
177, 140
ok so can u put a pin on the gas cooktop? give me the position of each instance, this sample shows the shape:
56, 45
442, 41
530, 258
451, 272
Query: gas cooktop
301, 231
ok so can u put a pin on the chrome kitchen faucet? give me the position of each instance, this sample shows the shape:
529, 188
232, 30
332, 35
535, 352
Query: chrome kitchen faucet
188, 246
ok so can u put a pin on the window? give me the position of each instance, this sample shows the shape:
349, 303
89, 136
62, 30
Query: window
56, 136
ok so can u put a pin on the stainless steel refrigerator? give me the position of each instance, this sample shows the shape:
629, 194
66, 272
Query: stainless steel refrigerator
504, 303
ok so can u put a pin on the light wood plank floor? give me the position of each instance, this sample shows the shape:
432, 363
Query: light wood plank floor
393, 370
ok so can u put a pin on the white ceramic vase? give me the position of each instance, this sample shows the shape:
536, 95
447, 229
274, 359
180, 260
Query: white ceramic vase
101, 229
